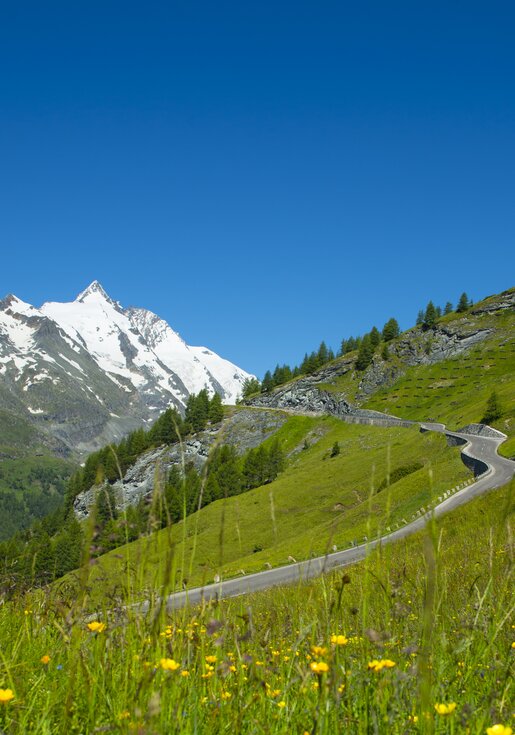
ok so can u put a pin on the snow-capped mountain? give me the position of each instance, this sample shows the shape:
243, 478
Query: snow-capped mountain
89, 371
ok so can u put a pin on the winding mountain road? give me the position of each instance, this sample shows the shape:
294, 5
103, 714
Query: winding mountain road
478, 450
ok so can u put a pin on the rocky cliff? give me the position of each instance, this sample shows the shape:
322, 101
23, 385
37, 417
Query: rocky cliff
244, 430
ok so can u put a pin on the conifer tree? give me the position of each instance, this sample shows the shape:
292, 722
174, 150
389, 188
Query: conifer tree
375, 337
385, 352
390, 330
267, 383
463, 303
430, 316
216, 410
250, 386
365, 353
448, 308
493, 410
420, 318
323, 354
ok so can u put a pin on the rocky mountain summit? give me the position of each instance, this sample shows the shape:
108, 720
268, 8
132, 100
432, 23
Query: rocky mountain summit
81, 374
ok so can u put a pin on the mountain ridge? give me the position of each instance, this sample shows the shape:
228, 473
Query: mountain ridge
89, 371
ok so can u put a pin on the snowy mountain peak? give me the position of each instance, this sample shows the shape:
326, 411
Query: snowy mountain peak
90, 370
94, 289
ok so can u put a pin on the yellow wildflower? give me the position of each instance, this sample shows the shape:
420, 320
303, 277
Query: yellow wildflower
211, 659
45, 659
377, 666
319, 667
281, 704
96, 626
318, 650
445, 709
499, 730
185, 673
6, 695
339, 640
225, 695
168, 664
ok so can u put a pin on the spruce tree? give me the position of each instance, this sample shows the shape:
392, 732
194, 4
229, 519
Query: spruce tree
420, 317
365, 353
390, 330
216, 410
375, 337
493, 409
463, 303
250, 386
323, 354
430, 316
267, 383
448, 308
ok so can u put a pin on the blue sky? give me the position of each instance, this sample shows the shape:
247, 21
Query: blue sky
262, 175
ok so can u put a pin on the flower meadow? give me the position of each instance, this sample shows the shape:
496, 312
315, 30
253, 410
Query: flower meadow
419, 638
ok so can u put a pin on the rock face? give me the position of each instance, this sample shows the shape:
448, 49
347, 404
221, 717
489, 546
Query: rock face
245, 430
88, 372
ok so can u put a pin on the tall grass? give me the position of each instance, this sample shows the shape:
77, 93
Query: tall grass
374, 648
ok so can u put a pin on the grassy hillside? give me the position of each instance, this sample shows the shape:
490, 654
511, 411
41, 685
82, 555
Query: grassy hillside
416, 639
317, 503
454, 390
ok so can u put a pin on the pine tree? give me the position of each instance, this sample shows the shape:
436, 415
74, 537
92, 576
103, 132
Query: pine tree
216, 410
420, 318
430, 316
250, 386
375, 337
323, 354
267, 383
197, 410
390, 330
493, 409
448, 308
385, 352
365, 353
463, 303
275, 461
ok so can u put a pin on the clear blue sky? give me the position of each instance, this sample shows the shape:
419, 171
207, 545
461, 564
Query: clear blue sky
262, 175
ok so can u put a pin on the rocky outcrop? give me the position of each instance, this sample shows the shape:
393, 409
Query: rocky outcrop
481, 430
300, 398
244, 430
418, 346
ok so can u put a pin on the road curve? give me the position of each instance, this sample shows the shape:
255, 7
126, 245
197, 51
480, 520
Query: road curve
496, 471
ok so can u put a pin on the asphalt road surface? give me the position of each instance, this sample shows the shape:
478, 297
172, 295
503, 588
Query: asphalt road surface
498, 471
